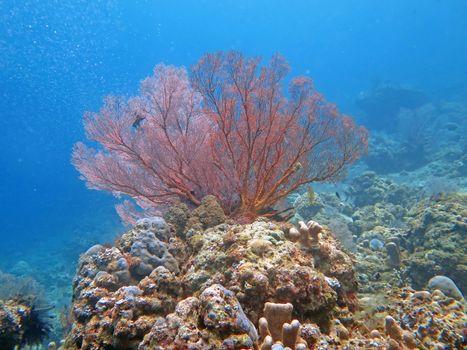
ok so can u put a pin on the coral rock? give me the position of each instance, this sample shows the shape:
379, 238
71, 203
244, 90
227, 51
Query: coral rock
131, 295
217, 310
208, 214
446, 285
394, 254
393, 330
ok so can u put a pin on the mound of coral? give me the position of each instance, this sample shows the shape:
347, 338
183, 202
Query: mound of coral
183, 284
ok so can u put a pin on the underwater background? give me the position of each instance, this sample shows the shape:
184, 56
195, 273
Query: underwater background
59, 59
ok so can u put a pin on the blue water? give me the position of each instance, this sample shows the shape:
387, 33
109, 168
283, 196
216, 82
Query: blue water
60, 58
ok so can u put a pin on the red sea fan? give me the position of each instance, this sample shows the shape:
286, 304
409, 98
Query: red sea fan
226, 129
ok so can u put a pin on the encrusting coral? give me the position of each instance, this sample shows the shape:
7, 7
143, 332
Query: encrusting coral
213, 320
437, 240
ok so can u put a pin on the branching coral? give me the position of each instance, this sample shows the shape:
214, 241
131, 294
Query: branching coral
226, 129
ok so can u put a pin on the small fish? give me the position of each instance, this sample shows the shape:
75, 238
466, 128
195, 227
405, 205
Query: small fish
451, 126
137, 121
297, 166
338, 196
311, 195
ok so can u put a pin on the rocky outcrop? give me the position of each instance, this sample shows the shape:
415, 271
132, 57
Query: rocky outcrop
204, 291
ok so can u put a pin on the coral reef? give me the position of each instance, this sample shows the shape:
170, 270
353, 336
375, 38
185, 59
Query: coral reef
382, 104
398, 236
138, 293
370, 189
389, 155
411, 319
214, 320
201, 280
397, 246
174, 285
437, 240
427, 139
280, 271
